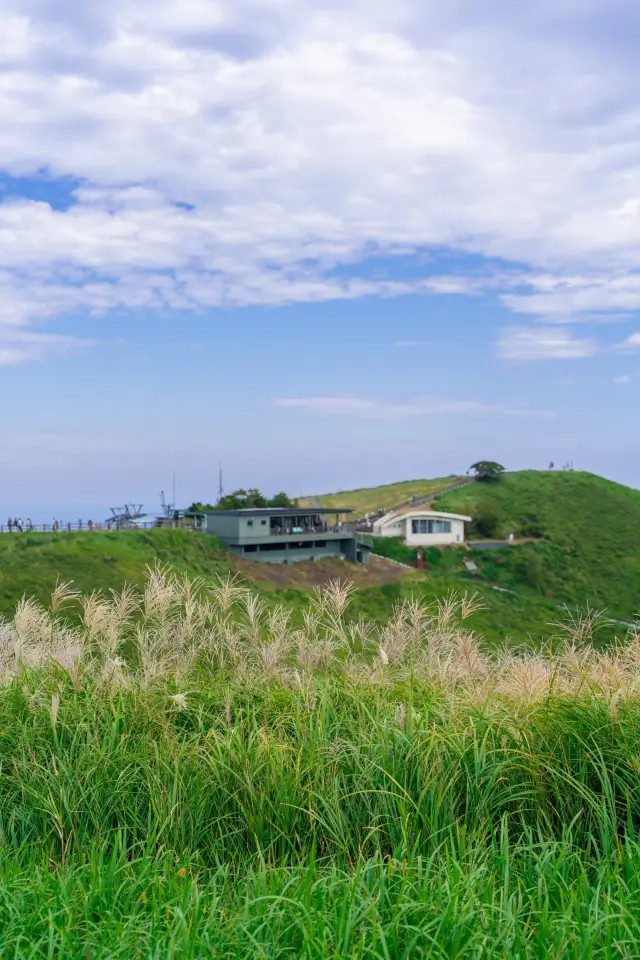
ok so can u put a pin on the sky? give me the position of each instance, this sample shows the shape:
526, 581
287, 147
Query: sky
330, 245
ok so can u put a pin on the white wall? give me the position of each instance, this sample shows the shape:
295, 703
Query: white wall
395, 529
432, 539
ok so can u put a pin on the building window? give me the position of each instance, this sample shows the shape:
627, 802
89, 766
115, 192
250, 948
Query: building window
430, 526
263, 522
250, 548
249, 523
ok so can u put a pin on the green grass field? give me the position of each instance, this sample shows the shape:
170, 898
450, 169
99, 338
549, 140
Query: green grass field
211, 782
371, 499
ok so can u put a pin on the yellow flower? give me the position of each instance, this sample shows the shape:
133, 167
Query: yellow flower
143, 896
182, 872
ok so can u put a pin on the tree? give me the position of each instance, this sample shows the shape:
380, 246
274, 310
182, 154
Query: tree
199, 507
281, 500
487, 471
487, 519
251, 499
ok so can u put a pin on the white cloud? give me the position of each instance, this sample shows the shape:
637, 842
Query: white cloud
383, 409
20, 346
622, 380
237, 152
631, 344
543, 343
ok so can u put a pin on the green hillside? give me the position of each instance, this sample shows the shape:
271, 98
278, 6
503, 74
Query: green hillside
370, 499
588, 551
31, 564
587, 529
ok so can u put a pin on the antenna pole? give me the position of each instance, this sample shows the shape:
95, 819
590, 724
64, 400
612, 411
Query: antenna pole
220, 486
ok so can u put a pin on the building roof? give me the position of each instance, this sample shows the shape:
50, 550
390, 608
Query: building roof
279, 511
421, 511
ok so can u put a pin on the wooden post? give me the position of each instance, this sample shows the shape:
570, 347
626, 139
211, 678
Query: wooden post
420, 559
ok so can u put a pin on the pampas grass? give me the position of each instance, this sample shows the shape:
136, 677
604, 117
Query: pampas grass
190, 771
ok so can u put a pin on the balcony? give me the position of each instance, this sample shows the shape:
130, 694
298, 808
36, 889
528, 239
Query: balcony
305, 529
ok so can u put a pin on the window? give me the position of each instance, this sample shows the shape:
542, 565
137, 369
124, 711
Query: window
250, 548
249, 523
263, 523
441, 526
430, 526
320, 544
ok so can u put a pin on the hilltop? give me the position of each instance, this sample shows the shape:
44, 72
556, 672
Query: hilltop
582, 533
585, 531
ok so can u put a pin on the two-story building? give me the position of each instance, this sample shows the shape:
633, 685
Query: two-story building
288, 534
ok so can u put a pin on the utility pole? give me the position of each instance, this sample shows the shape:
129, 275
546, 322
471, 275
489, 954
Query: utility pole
220, 485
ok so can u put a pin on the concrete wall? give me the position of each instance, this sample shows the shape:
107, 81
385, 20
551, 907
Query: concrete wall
220, 526
293, 554
253, 528
392, 528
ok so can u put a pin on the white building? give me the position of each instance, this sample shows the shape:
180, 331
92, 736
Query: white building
420, 527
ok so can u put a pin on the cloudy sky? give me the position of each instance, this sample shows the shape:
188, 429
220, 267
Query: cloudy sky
330, 244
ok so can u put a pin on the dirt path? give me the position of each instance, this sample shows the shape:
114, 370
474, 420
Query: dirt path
306, 576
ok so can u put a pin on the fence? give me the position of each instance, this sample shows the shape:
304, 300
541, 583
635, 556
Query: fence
88, 526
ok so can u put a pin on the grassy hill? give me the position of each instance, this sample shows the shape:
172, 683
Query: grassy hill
370, 499
588, 551
31, 564
588, 536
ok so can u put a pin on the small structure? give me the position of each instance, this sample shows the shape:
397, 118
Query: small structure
421, 527
287, 534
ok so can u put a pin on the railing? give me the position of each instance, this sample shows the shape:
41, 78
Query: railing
308, 531
85, 527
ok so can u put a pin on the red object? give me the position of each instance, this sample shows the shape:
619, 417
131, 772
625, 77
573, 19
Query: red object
420, 560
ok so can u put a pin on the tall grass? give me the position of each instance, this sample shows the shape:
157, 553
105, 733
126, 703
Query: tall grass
187, 773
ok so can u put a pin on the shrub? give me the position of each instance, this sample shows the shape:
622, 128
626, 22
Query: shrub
487, 520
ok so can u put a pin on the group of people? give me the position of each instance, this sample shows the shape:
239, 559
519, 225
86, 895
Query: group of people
16, 524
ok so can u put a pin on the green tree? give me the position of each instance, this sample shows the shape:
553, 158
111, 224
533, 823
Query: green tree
242, 499
199, 507
281, 500
487, 471
487, 519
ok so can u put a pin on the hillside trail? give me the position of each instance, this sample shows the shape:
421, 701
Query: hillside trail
429, 498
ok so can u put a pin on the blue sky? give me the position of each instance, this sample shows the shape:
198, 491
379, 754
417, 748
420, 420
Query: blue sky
331, 245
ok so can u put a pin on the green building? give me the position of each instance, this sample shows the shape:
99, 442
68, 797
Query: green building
287, 534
